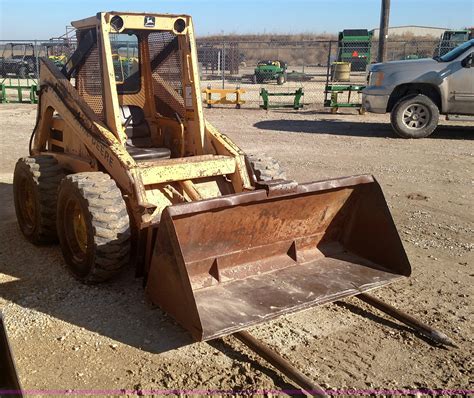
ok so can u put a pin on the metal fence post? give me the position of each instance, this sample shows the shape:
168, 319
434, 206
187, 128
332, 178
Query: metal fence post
328, 62
37, 75
223, 65
128, 59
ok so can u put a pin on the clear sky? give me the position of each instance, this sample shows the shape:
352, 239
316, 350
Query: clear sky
42, 19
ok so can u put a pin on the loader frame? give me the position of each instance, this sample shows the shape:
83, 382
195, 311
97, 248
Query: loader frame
148, 187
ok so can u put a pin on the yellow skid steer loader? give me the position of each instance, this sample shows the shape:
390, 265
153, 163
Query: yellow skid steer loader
123, 168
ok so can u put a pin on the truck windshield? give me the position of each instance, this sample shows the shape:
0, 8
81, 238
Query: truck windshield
454, 53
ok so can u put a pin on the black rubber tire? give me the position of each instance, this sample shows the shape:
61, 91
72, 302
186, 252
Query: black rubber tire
265, 168
106, 227
41, 176
280, 80
396, 116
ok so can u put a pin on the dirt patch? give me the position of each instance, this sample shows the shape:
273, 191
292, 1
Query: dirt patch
417, 196
69, 336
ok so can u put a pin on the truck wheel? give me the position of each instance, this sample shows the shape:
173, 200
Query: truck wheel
414, 116
280, 80
35, 188
93, 226
265, 168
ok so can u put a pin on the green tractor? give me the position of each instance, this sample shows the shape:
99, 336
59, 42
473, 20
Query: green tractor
451, 39
270, 70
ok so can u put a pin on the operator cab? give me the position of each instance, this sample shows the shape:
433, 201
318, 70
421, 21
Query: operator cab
143, 139
145, 87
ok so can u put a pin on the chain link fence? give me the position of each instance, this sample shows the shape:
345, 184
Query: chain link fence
311, 65
19, 65
276, 65
20, 59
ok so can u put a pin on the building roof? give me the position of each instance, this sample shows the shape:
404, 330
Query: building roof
413, 26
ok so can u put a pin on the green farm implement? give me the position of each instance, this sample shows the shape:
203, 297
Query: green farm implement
332, 94
13, 90
296, 104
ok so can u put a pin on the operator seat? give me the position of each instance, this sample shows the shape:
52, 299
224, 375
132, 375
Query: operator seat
139, 143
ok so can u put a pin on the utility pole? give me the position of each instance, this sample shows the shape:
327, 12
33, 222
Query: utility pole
383, 31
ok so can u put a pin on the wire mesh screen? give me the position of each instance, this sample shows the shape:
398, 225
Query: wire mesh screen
308, 64
278, 66
224, 63
166, 70
89, 82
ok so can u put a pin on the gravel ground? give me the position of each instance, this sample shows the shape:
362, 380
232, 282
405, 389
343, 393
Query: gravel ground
74, 337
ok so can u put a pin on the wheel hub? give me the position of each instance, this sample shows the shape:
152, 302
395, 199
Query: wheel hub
75, 229
80, 229
416, 116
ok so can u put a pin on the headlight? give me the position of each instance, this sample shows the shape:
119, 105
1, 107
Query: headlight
376, 78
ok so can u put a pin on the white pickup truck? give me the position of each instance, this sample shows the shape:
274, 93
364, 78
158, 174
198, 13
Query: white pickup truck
416, 92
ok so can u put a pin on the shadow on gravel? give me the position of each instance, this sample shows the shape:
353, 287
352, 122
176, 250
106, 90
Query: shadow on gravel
118, 310
239, 357
348, 128
40, 282
383, 321
7, 210
373, 317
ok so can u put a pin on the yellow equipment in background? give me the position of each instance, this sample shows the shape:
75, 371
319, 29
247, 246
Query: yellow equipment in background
223, 93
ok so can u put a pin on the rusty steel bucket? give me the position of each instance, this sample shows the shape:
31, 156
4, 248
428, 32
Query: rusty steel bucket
224, 264
9, 383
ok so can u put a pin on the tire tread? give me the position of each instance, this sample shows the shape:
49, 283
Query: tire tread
47, 176
110, 224
265, 168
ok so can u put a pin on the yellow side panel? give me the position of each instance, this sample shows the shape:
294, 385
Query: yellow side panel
189, 168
